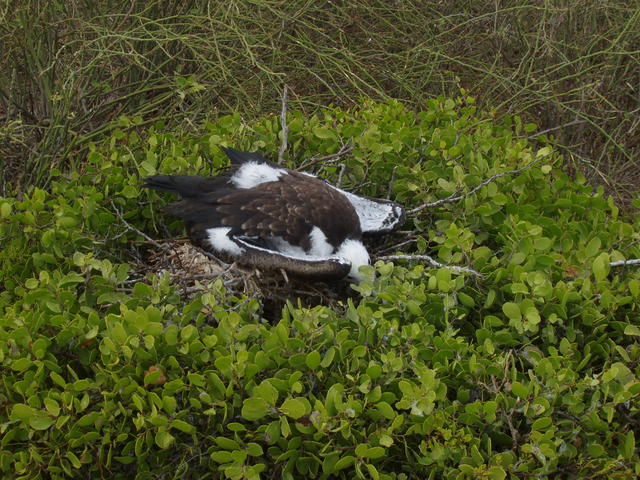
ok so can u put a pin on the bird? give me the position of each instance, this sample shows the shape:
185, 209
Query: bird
261, 214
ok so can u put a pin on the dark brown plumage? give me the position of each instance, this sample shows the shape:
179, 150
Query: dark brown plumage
262, 213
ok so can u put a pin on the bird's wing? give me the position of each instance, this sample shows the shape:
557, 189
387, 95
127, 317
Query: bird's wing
320, 269
288, 208
376, 216
187, 186
267, 211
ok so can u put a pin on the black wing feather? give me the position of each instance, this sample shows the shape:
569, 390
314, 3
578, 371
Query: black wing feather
288, 208
238, 158
187, 186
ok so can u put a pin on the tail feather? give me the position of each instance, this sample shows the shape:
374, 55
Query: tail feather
186, 186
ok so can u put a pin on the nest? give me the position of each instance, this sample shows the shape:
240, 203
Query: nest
193, 269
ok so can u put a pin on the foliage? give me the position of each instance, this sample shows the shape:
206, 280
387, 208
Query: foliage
68, 68
531, 371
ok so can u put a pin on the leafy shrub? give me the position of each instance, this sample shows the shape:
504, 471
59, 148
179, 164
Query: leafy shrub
529, 371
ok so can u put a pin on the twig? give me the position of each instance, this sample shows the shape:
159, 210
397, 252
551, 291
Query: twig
285, 127
431, 262
455, 197
624, 263
343, 167
577, 121
134, 229
334, 157
391, 181
396, 246
243, 302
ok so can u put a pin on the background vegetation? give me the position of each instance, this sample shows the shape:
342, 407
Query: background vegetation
70, 68
116, 361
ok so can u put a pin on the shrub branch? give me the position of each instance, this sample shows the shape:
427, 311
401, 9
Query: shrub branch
625, 263
455, 197
131, 228
432, 262
285, 127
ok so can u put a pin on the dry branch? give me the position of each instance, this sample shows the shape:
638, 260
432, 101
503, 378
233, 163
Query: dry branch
432, 262
131, 228
285, 127
625, 263
332, 158
455, 197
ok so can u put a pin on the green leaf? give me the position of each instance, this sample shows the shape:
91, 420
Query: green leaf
601, 266
52, 406
344, 462
375, 452
221, 457
324, 133
593, 247
328, 357
254, 450
313, 360
633, 330
386, 410
497, 473
295, 407
519, 390
5, 210
41, 422
183, 426
512, 311
541, 424
227, 443
266, 391
164, 439
22, 412
254, 408
385, 440
629, 445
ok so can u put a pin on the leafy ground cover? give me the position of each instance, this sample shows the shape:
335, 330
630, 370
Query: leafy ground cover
529, 371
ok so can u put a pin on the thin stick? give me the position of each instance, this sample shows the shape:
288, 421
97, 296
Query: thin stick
391, 181
432, 262
285, 127
343, 167
334, 157
134, 229
455, 197
577, 121
624, 263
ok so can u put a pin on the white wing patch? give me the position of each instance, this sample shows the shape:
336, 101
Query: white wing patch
320, 247
220, 241
373, 216
252, 174
280, 245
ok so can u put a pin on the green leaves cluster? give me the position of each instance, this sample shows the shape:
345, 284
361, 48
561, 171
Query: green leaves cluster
530, 371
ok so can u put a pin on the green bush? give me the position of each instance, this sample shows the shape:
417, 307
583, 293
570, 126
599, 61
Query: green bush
530, 371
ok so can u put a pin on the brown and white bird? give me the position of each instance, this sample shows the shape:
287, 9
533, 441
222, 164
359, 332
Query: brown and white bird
260, 214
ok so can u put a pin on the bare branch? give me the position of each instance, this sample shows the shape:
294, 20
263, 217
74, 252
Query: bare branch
334, 157
455, 197
343, 167
391, 181
432, 262
577, 121
624, 263
285, 127
130, 227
